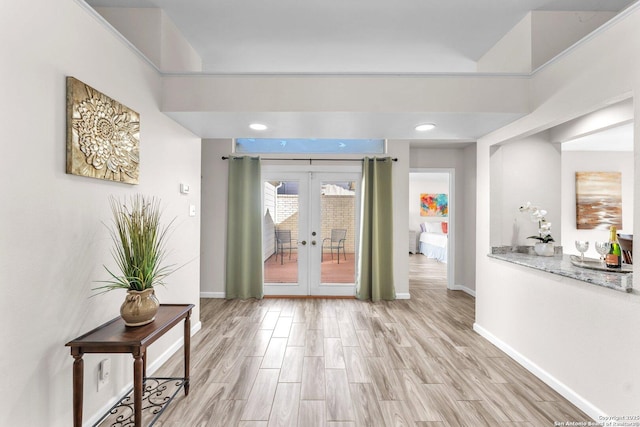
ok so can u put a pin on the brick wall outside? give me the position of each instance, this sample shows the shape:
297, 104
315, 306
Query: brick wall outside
338, 211
287, 205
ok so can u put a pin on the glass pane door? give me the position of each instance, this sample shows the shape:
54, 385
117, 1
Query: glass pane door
284, 231
310, 230
335, 197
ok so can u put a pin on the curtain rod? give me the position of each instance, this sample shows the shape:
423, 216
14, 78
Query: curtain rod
395, 159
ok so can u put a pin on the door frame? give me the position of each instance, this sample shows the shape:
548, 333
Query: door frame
309, 273
451, 246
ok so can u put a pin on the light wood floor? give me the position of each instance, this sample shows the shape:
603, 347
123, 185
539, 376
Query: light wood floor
330, 270
337, 362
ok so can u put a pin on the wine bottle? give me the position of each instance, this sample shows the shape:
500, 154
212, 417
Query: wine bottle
614, 257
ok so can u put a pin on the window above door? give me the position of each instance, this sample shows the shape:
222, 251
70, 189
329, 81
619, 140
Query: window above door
309, 146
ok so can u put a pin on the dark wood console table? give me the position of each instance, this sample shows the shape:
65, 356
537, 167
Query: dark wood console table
115, 337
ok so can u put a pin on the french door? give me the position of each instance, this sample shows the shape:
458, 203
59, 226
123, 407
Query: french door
310, 230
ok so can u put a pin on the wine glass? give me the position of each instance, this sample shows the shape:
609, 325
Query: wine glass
603, 248
582, 246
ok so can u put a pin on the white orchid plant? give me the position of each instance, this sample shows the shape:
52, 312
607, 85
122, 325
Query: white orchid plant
538, 215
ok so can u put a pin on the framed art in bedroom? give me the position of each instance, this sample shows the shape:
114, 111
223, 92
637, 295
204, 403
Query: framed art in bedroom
434, 204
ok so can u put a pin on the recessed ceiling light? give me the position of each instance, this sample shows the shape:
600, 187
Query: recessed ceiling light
425, 126
258, 126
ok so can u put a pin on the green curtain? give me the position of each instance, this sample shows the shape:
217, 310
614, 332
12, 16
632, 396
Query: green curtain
375, 264
244, 229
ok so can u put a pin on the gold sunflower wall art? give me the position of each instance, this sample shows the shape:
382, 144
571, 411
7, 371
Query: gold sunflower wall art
103, 136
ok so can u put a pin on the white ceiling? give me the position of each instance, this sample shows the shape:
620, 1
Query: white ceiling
354, 36
348, 37
618, 138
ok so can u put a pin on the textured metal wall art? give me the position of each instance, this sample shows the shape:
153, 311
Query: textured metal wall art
598, 200
103, 136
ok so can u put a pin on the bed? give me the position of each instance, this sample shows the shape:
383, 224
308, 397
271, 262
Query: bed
433, 240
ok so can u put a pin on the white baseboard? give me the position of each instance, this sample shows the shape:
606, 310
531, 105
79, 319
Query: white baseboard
212, 294
573, 397
171, 350
222, 295
150, 369
464, 289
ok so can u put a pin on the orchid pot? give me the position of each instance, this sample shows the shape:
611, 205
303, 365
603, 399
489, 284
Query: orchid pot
544, 249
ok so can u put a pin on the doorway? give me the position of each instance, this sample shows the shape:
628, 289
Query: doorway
310, 223
431, 227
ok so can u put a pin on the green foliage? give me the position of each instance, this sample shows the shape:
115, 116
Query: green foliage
543, 239
138, 245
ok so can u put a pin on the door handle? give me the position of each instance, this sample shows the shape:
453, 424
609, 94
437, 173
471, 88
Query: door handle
304, 242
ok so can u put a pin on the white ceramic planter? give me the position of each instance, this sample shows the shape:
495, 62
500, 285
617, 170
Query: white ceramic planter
544, 249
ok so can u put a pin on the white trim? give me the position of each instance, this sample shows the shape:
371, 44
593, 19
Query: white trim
403, 295
212, 295
280, 169
583, 404
464, 289
309, 268
150, 369
451, 219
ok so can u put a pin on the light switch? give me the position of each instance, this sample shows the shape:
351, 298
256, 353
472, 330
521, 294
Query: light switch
184, 188
192, 210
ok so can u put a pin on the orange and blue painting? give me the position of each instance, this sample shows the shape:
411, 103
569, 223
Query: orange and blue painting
434, 204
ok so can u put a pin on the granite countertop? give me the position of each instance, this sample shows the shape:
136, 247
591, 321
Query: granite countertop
561, 264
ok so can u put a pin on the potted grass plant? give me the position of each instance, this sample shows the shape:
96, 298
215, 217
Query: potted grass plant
139, 253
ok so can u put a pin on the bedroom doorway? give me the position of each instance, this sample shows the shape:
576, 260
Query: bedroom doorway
431, 227
310, 225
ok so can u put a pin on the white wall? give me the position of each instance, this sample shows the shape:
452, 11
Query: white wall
400, 176
53, 242
527, 170
593, 161
215, 172
554, 31
611, 116
512, 53
152, 32
578, 337
141, 26
177, 54
425, 182
537, 38
468, 278
461, 94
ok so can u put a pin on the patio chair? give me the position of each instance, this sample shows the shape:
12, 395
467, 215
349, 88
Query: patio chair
284, 241
336, 241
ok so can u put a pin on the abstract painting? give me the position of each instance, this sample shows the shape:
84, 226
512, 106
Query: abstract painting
598, 200
434, 204
103, 136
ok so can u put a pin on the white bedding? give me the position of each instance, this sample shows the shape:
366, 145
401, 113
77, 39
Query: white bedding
435, 239
434, 245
